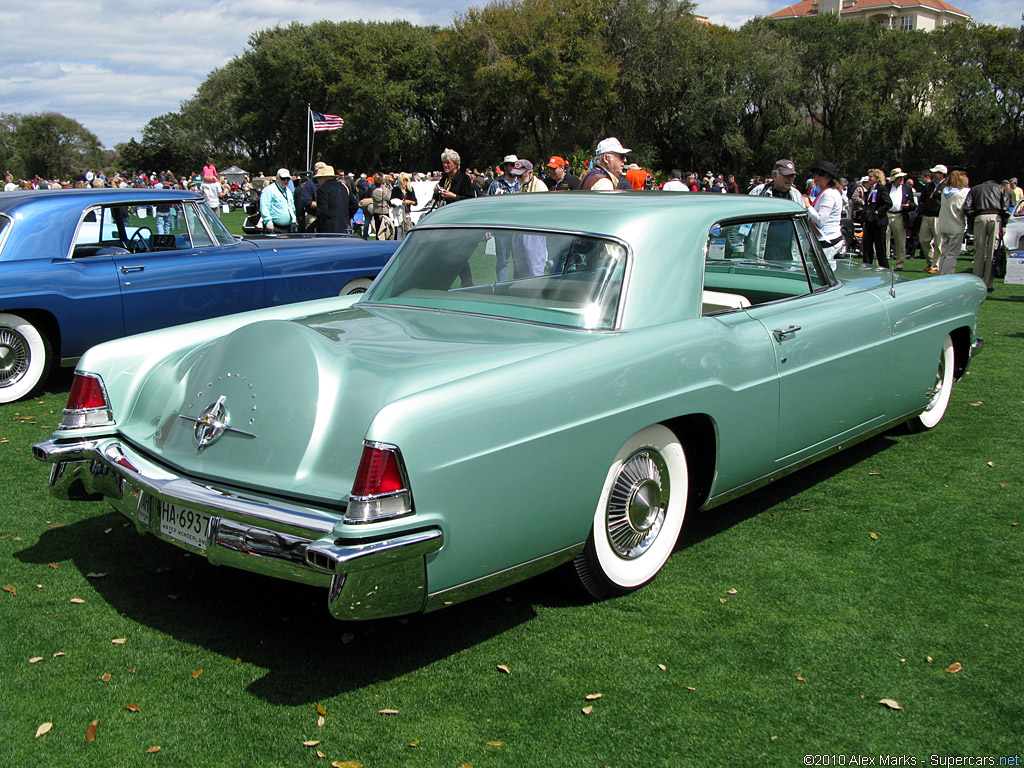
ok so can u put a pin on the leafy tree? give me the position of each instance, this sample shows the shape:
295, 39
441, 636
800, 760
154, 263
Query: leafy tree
52, 145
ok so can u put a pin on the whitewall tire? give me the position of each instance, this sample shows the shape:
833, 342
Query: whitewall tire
639, 514
940, 394
24, 357
359, 285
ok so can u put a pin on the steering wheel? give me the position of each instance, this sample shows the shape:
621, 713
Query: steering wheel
143, 244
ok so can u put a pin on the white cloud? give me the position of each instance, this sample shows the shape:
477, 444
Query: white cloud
115, 64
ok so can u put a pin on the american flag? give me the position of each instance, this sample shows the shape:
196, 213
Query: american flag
322, 122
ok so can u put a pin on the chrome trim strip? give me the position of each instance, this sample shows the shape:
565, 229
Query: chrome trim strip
501, 579
753, 485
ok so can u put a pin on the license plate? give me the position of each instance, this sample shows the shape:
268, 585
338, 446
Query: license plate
185, 525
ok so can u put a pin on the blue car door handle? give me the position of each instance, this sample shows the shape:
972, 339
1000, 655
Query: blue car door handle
134, 268
781, 334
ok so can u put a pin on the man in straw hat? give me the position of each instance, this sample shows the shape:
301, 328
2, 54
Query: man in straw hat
903, 204
334, 205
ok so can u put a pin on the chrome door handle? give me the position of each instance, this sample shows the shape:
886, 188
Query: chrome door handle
781, 334
135, 268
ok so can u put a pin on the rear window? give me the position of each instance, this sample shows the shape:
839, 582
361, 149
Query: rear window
518, 274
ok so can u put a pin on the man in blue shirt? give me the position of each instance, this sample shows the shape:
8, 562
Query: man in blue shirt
277, 205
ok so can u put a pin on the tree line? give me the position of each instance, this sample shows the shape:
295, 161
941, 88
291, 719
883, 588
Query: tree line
542, 77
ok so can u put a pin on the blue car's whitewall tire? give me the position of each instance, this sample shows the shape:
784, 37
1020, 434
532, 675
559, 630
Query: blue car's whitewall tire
940, 395
24, 357
638, 516
359, 285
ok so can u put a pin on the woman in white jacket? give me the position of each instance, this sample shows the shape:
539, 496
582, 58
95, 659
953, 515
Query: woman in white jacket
826, 210
952, 221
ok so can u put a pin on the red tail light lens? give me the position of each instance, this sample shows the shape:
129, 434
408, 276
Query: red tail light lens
87, 403
86, 392
379, 491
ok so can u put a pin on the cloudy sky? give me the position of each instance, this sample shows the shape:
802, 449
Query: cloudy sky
113, 64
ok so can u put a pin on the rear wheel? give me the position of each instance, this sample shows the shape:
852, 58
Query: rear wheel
941, 392
24, 357
639, 515
359, 285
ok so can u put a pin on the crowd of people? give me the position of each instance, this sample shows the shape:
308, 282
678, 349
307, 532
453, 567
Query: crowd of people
895, 213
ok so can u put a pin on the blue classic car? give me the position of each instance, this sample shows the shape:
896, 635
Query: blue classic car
78, 267
469, 422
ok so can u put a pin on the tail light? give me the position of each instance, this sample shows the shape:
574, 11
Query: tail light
88, 405
380, 490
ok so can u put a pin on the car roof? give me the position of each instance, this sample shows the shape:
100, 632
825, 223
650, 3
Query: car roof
45, 220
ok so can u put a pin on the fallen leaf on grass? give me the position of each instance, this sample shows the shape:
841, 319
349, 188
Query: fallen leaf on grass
929, 659
732, 592
873, 534
320, 709
54, 566
119, 640
77, 600
312, 743
58, 654
414, 743
800, 678
387, 711
662, 667
979, 402
891, 703
320, 722
35, 659
197, 673
43, 729
990, 463
346, 764
152, 750
504, 668
690, 688
593, 696
105, 677
874, 473
955, 667
133, 707
587, 710
11, 588
320, 754
495, 744
90, 732
722, 600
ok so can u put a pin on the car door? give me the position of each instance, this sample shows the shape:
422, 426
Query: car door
179, 271
832, 345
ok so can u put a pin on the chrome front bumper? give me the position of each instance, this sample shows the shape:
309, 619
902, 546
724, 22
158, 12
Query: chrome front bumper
367, 578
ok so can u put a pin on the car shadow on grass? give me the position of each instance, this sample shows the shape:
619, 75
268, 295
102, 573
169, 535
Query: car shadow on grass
286, 629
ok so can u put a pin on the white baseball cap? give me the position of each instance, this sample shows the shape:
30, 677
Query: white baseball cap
611, 144
282, 173
940, 168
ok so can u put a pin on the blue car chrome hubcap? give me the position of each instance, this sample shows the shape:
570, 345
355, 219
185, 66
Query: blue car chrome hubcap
637, 503
14, 357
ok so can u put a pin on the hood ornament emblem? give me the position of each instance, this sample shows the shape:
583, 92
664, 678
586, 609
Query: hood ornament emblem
212, 423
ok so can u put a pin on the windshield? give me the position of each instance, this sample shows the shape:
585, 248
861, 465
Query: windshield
216, 226
544, 277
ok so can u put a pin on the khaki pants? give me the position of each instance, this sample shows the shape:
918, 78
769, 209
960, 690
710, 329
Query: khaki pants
898, 233
986, 227
929, 238
950, 252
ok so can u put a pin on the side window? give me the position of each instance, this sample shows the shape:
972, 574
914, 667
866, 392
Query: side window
200, 237
753, 262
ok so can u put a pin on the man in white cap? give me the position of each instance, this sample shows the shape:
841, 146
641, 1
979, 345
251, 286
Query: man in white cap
928, 209
277, 205
609, 160
507, 183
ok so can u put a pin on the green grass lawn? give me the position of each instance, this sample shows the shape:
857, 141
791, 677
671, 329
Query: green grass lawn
773, 632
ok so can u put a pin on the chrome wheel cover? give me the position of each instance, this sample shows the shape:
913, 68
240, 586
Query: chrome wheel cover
14, 357
636, 505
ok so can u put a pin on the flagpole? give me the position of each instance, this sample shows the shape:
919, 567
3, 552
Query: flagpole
309, 125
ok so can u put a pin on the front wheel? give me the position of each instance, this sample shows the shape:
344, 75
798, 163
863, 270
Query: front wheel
940, 394
24, 357
638, 516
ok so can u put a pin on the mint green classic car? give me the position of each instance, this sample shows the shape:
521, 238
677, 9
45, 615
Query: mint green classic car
532, 380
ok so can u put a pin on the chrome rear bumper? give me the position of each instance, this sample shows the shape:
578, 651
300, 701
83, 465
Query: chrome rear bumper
367, 578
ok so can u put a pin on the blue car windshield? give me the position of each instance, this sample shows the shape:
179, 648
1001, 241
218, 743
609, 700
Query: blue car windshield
216, 226
544, 277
